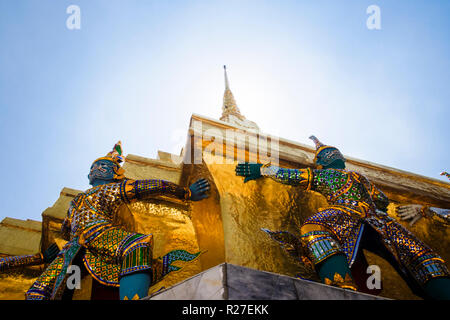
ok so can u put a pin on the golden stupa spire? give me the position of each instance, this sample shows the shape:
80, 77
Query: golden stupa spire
229, 106
227, 84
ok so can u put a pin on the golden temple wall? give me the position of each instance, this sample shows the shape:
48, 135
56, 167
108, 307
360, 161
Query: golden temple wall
18, 237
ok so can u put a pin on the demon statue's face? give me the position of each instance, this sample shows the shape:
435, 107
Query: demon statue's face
102, 171
330, 158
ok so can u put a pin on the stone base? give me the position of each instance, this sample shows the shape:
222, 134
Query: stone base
231, 282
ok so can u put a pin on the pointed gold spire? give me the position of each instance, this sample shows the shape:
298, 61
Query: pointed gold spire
229, 106
230, 110
227, 84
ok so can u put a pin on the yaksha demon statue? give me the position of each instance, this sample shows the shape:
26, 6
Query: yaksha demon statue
112, 256
356, 218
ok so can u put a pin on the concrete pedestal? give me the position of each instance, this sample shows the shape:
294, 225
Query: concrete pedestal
231, 282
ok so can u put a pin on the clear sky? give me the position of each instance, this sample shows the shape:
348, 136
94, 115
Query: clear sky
137, 70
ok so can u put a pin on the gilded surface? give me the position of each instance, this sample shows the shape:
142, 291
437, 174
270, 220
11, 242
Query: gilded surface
140, 168
207, 220
14, 286
18, 237
15, 282
246, 208
172, 229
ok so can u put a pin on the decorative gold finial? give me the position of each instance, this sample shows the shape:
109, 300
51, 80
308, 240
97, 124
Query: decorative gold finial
230, 111
316, 142
227, 85
229, 103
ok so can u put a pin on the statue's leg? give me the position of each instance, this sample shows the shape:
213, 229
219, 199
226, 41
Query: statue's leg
335, 271
43, 286
133, 254
136, 273
135, 285
326, 254
438, 288
421, 263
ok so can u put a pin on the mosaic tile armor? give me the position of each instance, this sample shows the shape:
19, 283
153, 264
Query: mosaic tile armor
107, 251
7, 263
439, 214
354, 203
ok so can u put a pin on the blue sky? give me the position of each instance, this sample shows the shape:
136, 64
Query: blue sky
137, 70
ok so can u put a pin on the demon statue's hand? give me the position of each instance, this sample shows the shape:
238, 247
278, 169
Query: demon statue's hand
51, 253
199, 190
250, 171
409, 212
